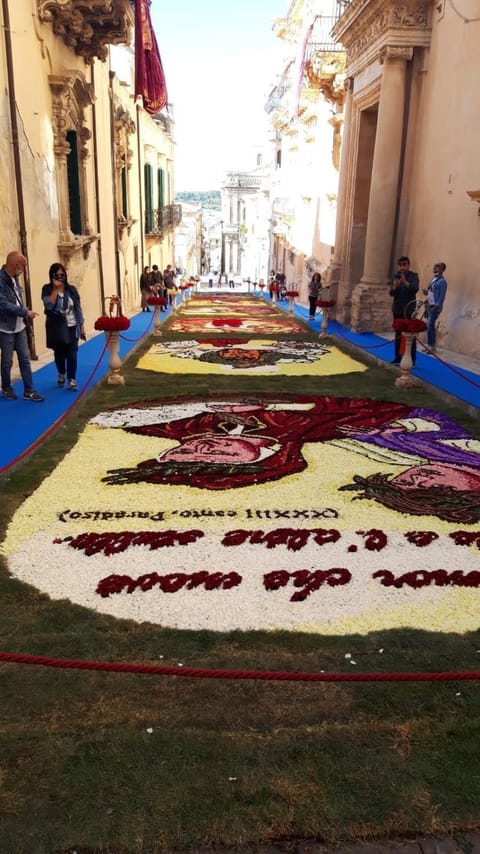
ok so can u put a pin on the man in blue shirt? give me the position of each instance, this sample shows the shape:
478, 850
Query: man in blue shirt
13, 334
435, 294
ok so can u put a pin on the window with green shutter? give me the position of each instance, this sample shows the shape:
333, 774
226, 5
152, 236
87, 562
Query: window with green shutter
73, 178
161, 188
148, 199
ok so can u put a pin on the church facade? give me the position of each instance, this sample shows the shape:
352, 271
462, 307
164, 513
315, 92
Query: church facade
409, 180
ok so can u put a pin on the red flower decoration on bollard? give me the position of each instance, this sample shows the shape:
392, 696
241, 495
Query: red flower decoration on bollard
112, 324
325, 303
291, 294
114, 321
412, 325
156, 300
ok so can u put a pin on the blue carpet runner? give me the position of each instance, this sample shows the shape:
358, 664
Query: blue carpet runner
23, 423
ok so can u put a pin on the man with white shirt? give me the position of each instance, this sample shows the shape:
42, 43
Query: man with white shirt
13, 334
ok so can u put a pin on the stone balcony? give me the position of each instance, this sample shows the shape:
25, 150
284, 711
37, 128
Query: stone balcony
89, 26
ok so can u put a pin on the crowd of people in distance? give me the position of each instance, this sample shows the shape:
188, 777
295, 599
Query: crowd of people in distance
65, 323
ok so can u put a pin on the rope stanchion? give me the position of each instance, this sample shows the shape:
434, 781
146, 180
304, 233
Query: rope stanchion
259, 675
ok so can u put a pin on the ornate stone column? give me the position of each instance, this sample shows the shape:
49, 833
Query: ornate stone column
370, 299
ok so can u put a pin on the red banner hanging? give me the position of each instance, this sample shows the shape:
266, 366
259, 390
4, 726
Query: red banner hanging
150, 82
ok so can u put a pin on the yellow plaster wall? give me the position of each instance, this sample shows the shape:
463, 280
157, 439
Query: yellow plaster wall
38, 53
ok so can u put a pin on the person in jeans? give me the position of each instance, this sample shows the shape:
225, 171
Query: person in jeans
64, 324
13, 334
403, 289
314, 288
435, 294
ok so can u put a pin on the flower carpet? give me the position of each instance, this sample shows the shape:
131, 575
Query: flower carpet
222, 314
294, 512
255, 356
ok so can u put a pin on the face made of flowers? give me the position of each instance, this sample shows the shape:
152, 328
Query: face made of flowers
211, 448
459, 478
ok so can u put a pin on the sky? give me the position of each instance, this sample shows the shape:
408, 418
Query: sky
221, 59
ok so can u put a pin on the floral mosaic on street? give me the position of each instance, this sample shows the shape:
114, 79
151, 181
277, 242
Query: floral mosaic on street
302, 513
257, 356
224, 314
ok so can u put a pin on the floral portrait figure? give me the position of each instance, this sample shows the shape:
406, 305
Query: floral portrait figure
231, 445
442, 477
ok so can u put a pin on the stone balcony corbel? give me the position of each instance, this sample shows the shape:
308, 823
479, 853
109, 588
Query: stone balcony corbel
74, 244
89, 26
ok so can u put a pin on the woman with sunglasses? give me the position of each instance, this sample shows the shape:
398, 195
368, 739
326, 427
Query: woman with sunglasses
64, 324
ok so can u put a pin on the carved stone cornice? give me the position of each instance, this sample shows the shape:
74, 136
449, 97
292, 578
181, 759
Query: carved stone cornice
71, 94
367, 27
89, 26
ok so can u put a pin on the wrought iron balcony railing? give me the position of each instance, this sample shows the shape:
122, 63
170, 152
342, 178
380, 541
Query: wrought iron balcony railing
161, 220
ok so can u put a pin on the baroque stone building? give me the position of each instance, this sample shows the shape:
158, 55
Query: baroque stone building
410, 166
244, 223
86, 175
305, 110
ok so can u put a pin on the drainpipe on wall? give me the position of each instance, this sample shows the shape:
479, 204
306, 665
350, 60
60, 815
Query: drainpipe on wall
111, 75
18, 171
97, 193
140, 194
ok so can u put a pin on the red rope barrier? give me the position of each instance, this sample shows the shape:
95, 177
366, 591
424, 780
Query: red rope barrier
259, 675
426, 350
142, 335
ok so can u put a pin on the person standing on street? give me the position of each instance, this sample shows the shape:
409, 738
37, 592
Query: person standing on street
145, 284
314, 293
170, 283
64, 324
13, 333
158, 286
403, 289
435, 294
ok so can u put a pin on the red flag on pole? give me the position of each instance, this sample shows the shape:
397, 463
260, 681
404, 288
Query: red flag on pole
150, 82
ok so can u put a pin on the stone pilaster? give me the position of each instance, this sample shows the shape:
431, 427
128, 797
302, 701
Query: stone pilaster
371, 302
333, 274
